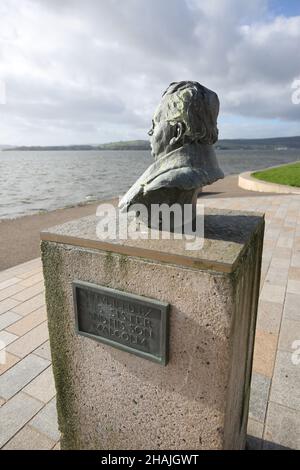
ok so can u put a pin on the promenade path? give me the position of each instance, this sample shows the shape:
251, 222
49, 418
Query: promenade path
27, 394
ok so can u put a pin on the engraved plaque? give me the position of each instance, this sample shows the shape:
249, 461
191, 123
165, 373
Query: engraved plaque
135, 324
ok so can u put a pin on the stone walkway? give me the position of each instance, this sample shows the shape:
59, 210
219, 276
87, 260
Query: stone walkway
27, 395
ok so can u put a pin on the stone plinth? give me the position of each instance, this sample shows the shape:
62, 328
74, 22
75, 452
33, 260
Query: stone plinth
111, 399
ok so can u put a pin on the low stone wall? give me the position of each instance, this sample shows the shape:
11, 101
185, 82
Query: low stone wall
246, 181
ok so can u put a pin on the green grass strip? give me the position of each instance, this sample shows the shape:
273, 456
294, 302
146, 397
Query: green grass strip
287, 174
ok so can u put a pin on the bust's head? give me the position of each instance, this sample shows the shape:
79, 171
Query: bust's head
186, 114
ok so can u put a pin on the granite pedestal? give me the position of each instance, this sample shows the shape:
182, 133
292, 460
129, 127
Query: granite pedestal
111, 399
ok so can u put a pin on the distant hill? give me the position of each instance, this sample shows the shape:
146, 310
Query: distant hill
122, 145
126, 145
251, 144
275, 143
4, 147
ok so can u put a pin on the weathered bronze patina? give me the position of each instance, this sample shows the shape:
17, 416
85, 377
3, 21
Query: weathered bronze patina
135, 324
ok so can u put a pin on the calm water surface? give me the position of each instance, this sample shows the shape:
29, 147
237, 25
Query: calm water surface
31, 182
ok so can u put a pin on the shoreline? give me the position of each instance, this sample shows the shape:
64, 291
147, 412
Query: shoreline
20, 236
49, 211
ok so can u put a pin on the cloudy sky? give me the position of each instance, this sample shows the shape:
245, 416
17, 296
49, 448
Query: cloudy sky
92, 71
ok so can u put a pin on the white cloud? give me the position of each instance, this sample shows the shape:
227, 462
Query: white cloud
93, 71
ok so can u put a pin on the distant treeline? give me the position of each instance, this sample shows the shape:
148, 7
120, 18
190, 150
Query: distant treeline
277, 143
126, 145
252, 144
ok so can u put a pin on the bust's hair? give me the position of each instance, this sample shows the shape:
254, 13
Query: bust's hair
196, 107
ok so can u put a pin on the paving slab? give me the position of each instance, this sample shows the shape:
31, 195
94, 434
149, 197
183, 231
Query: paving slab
271, 293
264, 353
289, 334
254, 434
293, 286
295, 262
9, 361
32, 280
30, 341
42, 387
291, 308
10, 291
24, 308
9, 282
294, 273
46, 421
260, 388
44, 351
8, 304
6, 338
286, 379
15, 414
29, 292
29, 439
269, 317
28, 274
13, 380
282, 427
7, 319
25, 324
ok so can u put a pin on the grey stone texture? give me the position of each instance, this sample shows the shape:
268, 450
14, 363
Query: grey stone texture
44, 351
285, 384
15, 413
255, 432
7, 319
46, 421
15, 379
282, 428
29, 439
42, 387
260, 389
110, 399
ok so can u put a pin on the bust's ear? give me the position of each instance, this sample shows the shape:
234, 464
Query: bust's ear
179, 132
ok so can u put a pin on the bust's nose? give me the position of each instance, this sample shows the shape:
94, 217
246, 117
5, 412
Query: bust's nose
150, 133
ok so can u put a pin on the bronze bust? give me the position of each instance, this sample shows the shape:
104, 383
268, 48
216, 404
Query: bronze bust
184, 129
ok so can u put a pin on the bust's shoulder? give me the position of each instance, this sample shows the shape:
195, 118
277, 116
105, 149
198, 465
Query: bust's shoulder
183, 177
